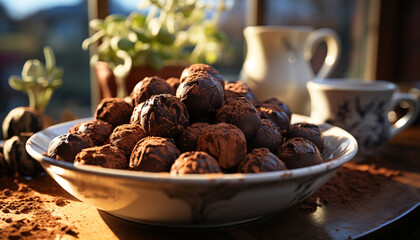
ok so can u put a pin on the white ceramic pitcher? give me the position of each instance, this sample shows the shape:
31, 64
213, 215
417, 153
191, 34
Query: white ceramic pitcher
277, 62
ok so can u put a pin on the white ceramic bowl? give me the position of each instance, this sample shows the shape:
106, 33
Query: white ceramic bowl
192, 200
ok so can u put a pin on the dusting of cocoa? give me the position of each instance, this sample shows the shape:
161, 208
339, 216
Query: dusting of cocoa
25, 213
351, 184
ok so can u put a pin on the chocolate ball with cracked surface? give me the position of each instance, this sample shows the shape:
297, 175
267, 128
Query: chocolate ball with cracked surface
275, 114
280, 104
21, 119
195, 162
65, 147
174, 83
298, 152
106, 156
97, 130
309, 131
153, 154
161, 115
203, 68
187, 140
126, 136
148, 87
267, 136
261, 160
201, 94
240, 89
241, 113
225, 142
114, 111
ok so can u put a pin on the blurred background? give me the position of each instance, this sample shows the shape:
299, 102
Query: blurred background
380, 40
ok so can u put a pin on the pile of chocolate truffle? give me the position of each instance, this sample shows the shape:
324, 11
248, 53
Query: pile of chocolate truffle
197, 123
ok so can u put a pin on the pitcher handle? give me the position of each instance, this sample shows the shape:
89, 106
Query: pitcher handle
409, 117
333, 49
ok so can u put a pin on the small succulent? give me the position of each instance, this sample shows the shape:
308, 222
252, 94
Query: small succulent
174, 32
38, 80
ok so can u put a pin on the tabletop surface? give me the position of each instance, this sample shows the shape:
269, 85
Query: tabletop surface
385, 207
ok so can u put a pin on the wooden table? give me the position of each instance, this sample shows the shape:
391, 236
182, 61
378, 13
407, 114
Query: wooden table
392, 213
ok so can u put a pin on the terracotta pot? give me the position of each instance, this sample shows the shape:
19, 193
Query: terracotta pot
108, 86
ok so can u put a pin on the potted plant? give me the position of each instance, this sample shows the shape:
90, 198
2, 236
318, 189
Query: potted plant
172, 35
39, 81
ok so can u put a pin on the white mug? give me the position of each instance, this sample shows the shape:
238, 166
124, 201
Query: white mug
361, 108
277, 62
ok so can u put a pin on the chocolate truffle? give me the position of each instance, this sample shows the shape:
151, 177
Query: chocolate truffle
114, 111
174, 83
106, 156
125, 137
281, 105
21, 119
267, 136
65, 147
241, 113
97, 130
299, 152
161, 115
195, 162
225, 142
201, 94
261, 160
153, 154
187, 140
148, 87
240, 89
203, 68
307, 131
275, 114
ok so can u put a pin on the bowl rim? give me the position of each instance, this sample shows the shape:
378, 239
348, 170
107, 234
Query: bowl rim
348, 153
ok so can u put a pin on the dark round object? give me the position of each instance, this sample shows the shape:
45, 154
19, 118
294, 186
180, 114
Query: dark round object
148, 87
240, 89
17, 160
299, 152
21, 119
174, 83
280, 104
106, 156
153, 154
203, 68
114, 111
195, 162
308, 131
161, 115
187, 140
201, 94
97, 130
241, 113
225, 142
267, 136
65, 147
275, 114
126, 136
261, 160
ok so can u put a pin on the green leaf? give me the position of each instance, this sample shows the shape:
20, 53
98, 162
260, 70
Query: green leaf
49, 59
17, 83
136, 20
97, 24
33, 68
114, 18
154, 60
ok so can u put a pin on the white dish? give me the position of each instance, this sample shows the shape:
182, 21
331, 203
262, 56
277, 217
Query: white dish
192, 200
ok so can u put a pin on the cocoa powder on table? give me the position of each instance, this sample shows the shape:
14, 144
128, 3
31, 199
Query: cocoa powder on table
24, 211
352, 183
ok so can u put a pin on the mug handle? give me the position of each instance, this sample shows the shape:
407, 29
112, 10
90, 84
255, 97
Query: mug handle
333, 49
409, 117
